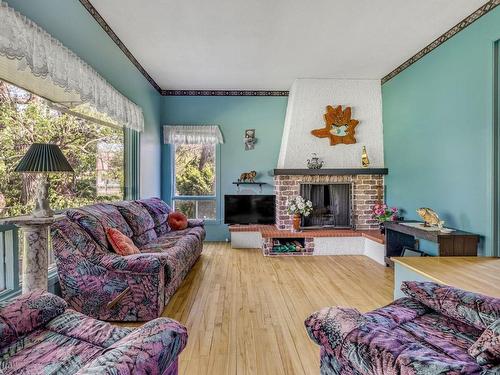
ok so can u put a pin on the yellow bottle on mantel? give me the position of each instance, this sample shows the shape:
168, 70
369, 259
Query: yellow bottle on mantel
365, 162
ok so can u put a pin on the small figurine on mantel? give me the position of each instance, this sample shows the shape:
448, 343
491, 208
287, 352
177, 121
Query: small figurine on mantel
365, 162
315, 162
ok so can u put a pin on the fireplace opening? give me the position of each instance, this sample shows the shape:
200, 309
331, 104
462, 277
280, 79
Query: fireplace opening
331, 205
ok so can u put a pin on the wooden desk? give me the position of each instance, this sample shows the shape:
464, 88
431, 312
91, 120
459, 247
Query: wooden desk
477, 274
457, 243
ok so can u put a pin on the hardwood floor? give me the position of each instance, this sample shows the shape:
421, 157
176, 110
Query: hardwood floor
245, 312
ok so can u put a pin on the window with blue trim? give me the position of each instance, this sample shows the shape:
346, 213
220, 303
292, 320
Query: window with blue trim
194, 168
104, 157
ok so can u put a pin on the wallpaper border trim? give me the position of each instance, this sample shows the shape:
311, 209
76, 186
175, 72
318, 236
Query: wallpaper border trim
486, 8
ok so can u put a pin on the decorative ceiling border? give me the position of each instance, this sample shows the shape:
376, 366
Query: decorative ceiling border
104, 25
223, 93
489, 6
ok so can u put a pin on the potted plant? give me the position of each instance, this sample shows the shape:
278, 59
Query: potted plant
297, 207
382, 213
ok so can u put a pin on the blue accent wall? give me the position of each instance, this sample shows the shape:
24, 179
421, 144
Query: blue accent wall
438, 131
233, 115
69, 22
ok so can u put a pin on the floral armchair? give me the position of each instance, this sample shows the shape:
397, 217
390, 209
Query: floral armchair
435, 330
39, 335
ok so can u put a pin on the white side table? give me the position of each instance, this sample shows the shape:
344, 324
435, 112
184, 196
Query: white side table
35, 254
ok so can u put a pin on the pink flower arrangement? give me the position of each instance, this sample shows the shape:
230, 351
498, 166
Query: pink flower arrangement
382, 212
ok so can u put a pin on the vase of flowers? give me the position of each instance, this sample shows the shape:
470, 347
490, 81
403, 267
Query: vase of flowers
297, 207
382, 213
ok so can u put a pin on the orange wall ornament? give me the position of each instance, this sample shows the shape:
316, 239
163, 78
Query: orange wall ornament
339, 126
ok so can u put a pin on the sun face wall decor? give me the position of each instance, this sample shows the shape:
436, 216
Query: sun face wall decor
339, 126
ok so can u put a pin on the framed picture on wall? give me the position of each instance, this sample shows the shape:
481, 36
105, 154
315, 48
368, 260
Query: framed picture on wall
250, 139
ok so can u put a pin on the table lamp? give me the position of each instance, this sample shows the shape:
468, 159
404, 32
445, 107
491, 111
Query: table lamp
43, 159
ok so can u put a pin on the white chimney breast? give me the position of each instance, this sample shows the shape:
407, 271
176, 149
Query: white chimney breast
306, 106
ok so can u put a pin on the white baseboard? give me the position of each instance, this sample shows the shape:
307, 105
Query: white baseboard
349, 246
322, 245
375, 251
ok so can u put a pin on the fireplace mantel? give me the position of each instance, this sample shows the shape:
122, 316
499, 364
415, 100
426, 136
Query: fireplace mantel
330, 172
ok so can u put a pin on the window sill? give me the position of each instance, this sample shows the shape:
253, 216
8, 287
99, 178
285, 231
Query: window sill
8, 294
212, 222
53, 287
194, 198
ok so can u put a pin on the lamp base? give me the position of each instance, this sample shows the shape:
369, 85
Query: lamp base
42, 206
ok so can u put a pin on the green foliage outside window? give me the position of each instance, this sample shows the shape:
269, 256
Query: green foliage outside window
94, 151
195, 176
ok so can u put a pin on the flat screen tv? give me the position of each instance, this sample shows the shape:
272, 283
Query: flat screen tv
249, 209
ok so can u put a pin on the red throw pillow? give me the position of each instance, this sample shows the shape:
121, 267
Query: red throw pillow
122, 245
177, 221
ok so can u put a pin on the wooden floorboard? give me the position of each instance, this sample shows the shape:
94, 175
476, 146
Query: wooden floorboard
245, 312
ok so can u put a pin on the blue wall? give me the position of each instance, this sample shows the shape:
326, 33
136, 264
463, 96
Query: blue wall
438, 128
233, 115
438, 120
69, 21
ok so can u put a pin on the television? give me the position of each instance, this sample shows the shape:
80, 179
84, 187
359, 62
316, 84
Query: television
249, 209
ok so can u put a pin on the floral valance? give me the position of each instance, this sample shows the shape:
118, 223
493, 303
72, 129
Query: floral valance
192, 134
34, 60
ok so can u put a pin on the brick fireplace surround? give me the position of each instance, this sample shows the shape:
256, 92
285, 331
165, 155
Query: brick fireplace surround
367, 189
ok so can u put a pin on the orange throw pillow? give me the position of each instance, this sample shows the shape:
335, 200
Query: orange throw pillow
122, 245
177, 221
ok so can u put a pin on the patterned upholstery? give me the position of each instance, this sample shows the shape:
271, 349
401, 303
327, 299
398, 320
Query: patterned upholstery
486, 349
27, 313
160, 342
470, 308
159, 211
180, 251
409, 336
92, 276
139, 220
95, 219
53, 340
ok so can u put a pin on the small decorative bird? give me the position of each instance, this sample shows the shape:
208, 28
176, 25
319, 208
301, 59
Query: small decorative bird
430, 217
365, 162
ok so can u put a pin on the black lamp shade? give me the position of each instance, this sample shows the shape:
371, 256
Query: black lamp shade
43, 157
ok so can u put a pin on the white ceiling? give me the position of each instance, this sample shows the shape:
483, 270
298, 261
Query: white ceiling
266, 44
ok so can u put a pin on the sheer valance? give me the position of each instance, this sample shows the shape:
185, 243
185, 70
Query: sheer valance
32, 59
192, 134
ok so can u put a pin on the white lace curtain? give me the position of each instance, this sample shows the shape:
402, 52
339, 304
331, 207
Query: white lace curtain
192, 134
34, 60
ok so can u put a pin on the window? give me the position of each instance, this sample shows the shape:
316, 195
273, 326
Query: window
95, 151
195, 180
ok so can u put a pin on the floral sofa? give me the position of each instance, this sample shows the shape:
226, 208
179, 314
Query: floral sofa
435, 330
102, 284
38, 335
